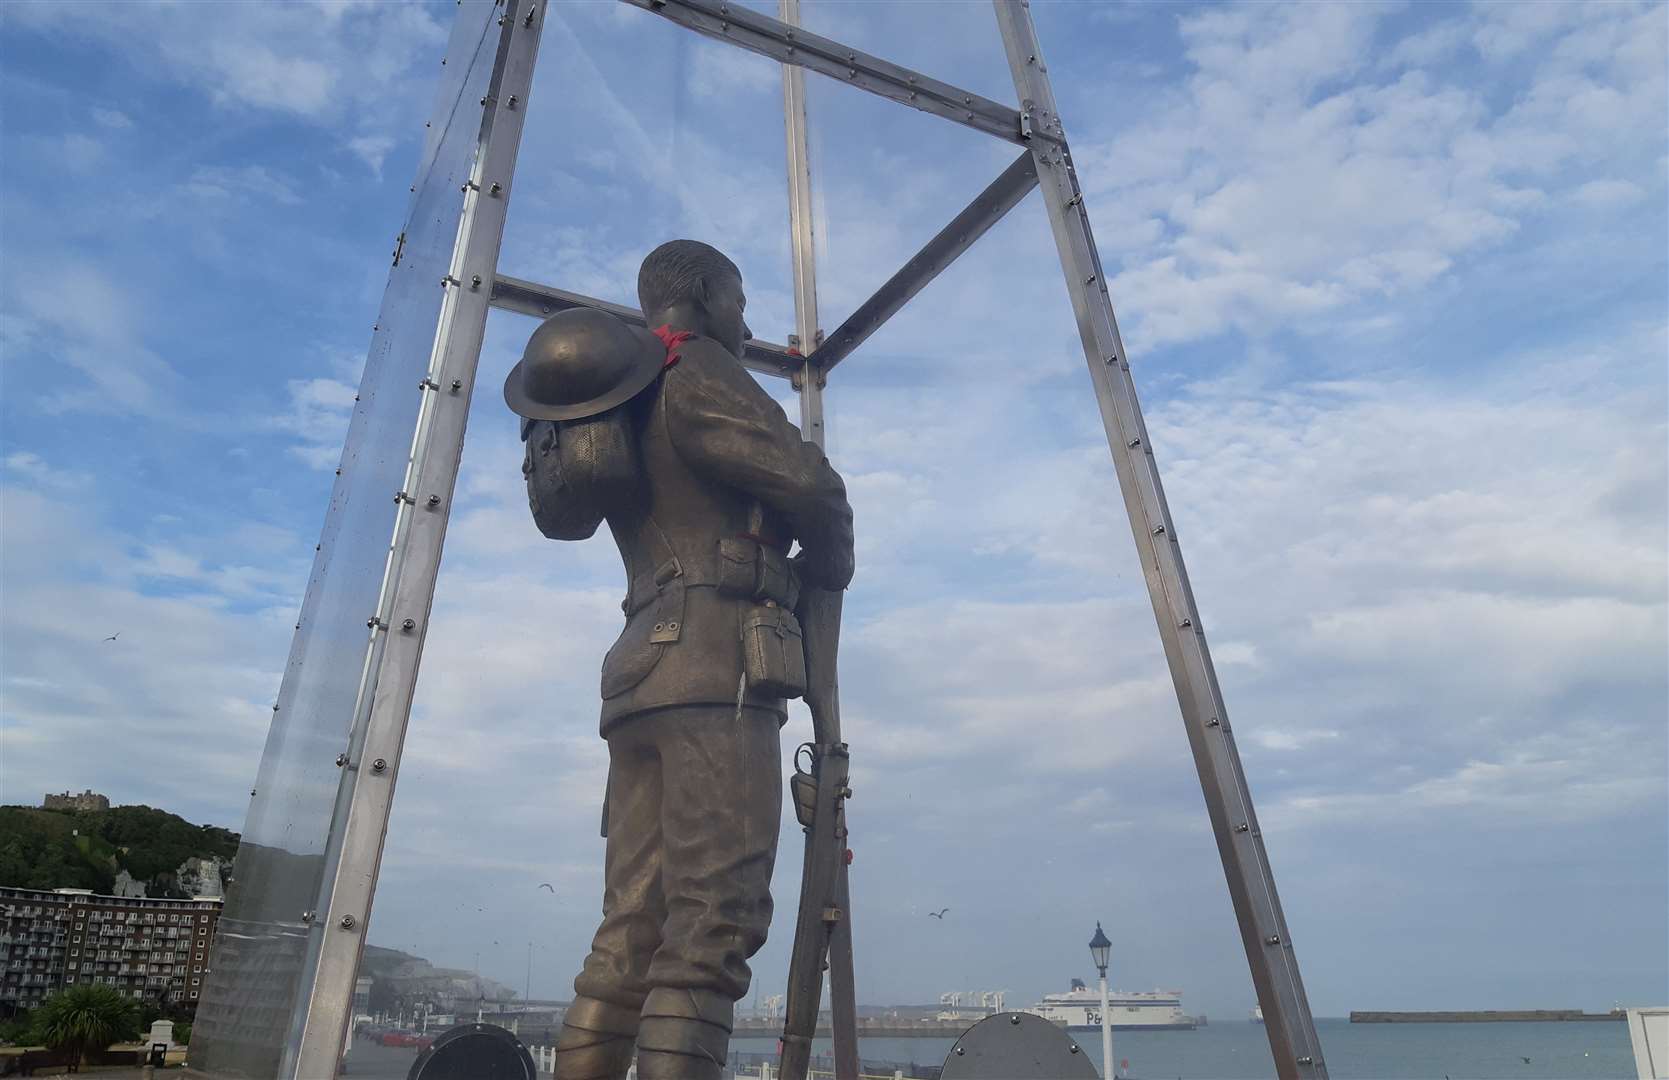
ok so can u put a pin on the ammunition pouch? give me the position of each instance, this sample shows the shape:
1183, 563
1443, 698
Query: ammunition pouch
757, 571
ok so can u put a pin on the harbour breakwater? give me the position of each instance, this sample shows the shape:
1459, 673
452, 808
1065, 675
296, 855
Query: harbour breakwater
1481, 1016
868, 1028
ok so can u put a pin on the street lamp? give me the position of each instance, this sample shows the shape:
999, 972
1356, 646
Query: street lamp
1099, 947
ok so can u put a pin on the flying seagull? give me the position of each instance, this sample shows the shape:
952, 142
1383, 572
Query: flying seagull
114, 636
940, 914
547, 885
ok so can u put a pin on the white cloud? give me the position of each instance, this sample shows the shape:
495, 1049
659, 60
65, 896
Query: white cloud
1288, 184
1594, 771
32, 467
318, 418
372, 149
322, 61
1279, 739
226, 182
80, 152
78, 316
1608, 194
719, 71
1430, 45
68, 152
137, 708
114, 119
1235, 652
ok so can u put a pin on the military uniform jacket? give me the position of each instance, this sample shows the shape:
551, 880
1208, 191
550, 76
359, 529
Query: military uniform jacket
727, 476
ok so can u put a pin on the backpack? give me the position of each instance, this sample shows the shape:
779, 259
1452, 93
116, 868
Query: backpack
581, 471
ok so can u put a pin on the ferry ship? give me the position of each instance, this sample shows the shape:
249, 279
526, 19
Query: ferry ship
1079, 1009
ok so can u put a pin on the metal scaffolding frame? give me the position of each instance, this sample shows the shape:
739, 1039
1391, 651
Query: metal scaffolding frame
473, 285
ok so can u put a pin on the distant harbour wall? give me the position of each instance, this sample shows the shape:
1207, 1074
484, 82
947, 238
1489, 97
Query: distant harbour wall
867, 1028
887, 1028
1482, 1016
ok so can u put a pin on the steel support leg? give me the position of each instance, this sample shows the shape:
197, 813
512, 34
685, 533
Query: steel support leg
810, 383
1286, 1010
414, 560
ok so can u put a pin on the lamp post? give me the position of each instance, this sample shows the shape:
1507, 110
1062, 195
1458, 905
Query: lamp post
1099, 947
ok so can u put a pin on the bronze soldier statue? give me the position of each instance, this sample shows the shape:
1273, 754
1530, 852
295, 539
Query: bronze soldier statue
705, 485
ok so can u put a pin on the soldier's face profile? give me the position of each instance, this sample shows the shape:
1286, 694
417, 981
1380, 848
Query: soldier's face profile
726, 304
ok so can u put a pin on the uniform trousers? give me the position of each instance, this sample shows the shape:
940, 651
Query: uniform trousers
694, 805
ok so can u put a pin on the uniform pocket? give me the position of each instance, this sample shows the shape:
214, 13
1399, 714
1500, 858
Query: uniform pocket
737, 569
633, 656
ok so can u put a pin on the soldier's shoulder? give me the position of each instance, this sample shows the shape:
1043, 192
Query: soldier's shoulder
705, 351
704, 363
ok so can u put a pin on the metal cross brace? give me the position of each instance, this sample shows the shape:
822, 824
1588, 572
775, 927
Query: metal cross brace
779, 40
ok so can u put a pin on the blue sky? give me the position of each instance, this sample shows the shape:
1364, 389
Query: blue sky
1393, 282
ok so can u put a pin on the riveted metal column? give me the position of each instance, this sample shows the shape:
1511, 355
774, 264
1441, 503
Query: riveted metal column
810, 382
1274, 966
425, 501
800, 235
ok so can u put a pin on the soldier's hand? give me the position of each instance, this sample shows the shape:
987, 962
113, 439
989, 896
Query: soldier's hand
823, 571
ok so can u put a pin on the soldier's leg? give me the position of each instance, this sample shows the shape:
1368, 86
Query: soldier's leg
720, 810
600, 1026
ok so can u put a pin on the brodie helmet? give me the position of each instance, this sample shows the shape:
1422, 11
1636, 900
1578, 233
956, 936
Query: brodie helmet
579, 363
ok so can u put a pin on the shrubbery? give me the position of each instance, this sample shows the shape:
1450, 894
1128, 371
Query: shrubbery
84, 1019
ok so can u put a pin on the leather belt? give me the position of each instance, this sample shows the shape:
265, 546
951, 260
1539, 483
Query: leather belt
783, 588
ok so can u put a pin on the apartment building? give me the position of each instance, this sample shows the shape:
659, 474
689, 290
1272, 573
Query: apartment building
146, 948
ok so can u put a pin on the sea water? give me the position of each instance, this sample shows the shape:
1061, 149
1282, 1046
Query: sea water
1240, 1051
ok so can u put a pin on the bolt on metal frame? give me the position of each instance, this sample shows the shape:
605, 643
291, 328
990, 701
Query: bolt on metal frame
473, 285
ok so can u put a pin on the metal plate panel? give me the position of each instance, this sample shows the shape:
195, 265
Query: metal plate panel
424, 503
267, 944
1017, 1046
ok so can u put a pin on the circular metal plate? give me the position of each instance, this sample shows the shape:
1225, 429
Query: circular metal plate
1017, 1046
474, 1052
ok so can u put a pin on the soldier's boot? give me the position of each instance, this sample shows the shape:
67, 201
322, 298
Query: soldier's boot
685, 1035
596, 1041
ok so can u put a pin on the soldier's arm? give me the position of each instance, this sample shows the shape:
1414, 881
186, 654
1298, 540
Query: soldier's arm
726, 427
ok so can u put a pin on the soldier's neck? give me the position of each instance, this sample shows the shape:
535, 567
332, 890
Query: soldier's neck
681, 317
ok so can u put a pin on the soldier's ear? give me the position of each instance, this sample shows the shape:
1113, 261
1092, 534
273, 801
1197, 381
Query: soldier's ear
702, 295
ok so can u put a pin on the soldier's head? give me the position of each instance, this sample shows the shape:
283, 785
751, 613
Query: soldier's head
691, 286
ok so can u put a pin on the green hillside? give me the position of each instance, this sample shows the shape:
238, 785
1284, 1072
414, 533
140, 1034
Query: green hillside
84, 849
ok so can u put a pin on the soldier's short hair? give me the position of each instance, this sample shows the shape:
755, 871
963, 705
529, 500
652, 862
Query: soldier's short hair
670, 272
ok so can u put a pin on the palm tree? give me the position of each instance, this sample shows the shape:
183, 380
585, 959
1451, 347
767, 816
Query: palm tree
84, 1019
